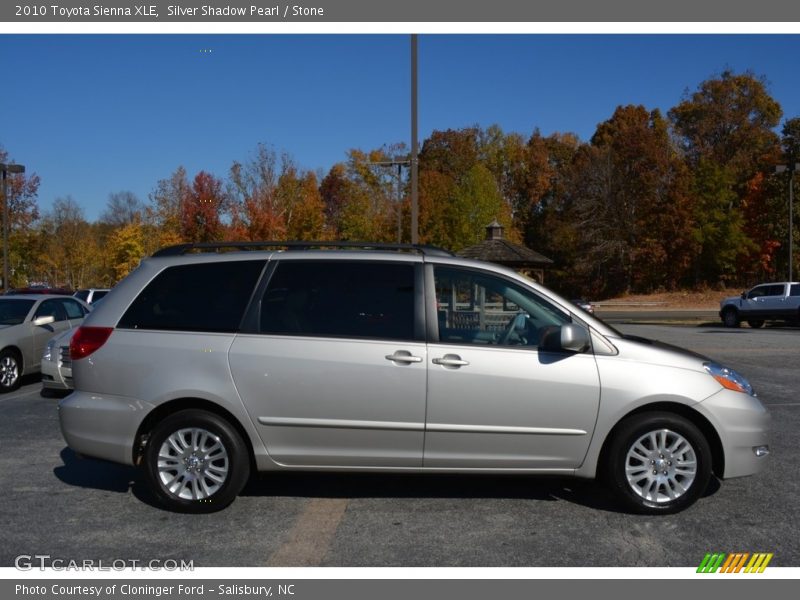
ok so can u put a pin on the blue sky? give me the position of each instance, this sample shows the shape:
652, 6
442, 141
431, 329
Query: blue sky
97, 114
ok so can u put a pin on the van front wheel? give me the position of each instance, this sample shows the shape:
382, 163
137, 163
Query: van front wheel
658, 463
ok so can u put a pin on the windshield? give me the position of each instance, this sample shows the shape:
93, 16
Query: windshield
13, 312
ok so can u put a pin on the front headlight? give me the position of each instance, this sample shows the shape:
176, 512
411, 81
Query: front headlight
48, 350
728, 378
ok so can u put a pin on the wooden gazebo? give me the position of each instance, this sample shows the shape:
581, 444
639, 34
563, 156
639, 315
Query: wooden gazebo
495, 248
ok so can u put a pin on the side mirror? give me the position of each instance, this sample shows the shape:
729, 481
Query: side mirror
569, 337
46, 320
744, 295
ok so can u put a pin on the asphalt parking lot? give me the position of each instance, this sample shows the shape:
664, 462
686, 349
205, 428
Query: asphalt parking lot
69, 508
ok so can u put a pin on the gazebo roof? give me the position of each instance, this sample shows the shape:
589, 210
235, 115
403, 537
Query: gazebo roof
495, 248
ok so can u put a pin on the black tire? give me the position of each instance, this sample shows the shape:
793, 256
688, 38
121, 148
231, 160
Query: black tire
730, 317
205, 478
10, 371
649, 492
755, 323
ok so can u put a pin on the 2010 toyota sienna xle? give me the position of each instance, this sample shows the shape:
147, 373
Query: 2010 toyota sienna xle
204, 366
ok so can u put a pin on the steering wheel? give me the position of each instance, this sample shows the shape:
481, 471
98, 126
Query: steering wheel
518, 321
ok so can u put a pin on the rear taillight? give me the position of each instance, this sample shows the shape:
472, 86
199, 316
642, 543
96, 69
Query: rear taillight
87, 340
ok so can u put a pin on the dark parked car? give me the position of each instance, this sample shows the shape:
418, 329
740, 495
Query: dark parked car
40, 290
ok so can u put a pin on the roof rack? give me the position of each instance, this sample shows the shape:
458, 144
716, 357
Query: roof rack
181, 249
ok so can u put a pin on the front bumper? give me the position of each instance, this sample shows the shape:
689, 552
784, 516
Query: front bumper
55, 378
102, 426
742, 423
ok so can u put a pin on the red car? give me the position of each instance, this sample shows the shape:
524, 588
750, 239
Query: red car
41, 290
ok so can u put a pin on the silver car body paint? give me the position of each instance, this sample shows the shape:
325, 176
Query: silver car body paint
342, 404
57, 369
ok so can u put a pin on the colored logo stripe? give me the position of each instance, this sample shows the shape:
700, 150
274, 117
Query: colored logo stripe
711, 562
734, 563
758, 563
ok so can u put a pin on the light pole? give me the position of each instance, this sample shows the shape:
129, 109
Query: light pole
6, 170
399, 163
781, 169
414, 145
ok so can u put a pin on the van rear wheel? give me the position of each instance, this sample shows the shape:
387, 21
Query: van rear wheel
196, 462
658, 463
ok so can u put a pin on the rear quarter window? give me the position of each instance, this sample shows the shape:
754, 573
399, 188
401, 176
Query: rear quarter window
207, 297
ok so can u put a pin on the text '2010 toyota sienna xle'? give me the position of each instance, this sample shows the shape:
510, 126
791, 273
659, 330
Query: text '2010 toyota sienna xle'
204, 366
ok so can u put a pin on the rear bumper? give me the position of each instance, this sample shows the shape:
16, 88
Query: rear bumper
102, 426
742, 423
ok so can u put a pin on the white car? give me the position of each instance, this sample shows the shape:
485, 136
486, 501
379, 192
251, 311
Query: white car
56, 363
27, 322
91, 295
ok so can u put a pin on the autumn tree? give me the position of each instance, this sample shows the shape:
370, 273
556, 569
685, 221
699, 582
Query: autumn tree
725, 129
122, 208
305, 211
548, 223
462, 175
164, 215
777, 198
631, 205
364, 189
335, 188
272, 199
70, 254
256, 210
23, 212
201, 209
126, 249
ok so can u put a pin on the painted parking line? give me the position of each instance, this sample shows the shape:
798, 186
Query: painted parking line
20, 394
310, 538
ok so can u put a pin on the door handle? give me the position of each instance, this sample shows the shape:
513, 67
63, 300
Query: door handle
403, 356
450, 360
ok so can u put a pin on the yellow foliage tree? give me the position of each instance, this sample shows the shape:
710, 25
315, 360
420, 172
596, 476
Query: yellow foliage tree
126, 246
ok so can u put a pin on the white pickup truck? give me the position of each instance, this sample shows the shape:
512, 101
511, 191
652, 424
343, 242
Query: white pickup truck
765, 302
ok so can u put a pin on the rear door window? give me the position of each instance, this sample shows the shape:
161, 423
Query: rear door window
73, 309
206, 297
353, 299
775, 290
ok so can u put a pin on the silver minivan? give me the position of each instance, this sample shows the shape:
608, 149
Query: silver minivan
205, 366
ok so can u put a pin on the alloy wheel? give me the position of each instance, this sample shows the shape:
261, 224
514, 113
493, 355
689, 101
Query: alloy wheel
9, 371
193, 464
660, 466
